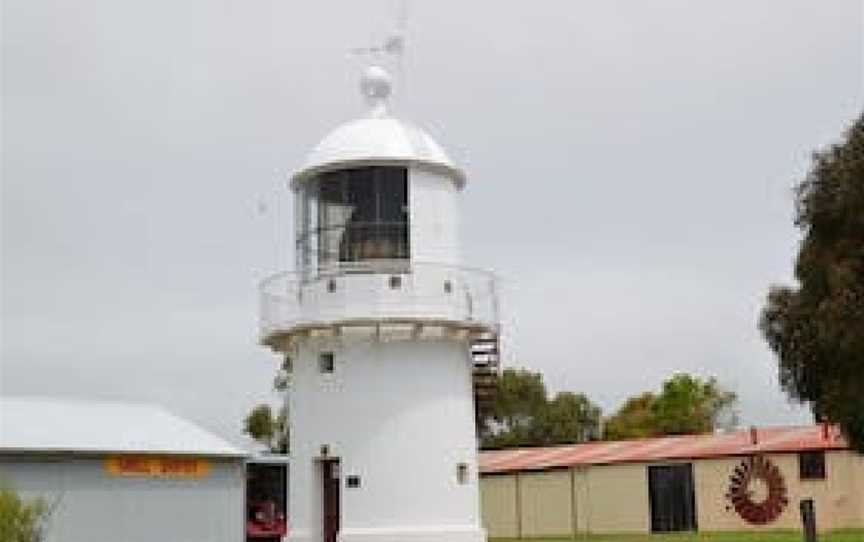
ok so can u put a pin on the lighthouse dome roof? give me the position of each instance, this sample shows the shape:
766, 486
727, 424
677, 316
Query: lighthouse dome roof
378, 139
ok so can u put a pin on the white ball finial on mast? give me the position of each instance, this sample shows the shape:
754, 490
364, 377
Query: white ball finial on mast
376, 86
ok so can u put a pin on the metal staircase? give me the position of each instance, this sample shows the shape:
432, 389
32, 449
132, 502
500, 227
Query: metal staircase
485, 357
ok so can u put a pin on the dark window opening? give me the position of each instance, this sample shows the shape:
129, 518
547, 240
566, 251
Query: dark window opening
811, 465
354, 215
326, 363
462, 473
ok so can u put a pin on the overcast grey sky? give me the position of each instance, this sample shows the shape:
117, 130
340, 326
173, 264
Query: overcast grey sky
630, 173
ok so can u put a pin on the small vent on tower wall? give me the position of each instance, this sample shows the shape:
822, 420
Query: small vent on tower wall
395, 282
448, 287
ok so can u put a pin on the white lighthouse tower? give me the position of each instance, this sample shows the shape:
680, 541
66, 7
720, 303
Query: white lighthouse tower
387, 337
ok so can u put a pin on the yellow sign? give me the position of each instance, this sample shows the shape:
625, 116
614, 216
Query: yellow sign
157, 466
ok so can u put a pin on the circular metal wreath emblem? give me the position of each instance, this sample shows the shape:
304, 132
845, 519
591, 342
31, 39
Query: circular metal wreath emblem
757, 491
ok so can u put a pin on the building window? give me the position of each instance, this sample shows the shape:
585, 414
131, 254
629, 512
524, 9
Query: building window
326, 363
354, 215
288, 364
462, 473
811, 465
395, 282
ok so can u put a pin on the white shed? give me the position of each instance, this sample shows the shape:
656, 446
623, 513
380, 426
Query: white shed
121, 471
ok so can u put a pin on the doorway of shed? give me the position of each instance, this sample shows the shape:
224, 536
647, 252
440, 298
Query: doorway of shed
672, 498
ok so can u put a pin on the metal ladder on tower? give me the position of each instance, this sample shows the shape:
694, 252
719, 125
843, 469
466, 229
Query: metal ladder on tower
485, 359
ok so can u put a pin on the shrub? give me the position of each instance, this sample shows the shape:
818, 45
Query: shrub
22, 520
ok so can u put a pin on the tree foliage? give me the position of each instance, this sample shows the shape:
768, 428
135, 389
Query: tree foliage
523, 414
262, 425
519, 402
634, 419
685, 405
259, 424
22, 520
570, 417
268, 429
816, 328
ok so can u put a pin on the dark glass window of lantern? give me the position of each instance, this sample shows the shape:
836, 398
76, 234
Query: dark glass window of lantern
811, 465
354, 215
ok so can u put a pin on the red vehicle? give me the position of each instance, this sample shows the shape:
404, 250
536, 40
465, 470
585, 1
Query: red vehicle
266, 499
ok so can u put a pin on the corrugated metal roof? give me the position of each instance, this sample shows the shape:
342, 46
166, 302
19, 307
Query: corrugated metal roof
768, 440
30, 424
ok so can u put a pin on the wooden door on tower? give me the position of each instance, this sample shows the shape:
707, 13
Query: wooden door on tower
330, 468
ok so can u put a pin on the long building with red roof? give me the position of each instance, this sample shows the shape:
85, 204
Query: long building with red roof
749, 479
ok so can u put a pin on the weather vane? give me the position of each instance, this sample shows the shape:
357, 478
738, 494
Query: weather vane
392, 48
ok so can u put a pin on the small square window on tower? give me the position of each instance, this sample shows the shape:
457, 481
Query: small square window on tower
395, 282
326, 362
462, 473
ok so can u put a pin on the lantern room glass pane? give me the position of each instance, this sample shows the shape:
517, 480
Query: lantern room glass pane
354, 215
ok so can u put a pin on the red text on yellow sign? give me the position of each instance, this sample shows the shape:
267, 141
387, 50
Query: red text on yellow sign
157, 466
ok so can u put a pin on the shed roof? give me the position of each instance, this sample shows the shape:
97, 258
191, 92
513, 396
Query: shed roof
768, 440
51, 425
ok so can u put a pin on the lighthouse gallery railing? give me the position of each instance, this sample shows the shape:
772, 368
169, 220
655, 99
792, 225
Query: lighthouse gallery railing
378, 291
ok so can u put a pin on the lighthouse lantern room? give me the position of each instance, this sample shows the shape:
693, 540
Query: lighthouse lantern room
392, 344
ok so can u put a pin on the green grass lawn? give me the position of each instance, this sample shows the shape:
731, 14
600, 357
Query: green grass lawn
768, 536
